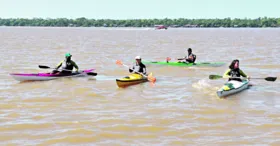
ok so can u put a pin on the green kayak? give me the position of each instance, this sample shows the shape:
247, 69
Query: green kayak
215, 64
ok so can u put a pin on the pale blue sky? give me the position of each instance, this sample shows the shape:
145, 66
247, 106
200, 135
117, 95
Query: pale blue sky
132, 9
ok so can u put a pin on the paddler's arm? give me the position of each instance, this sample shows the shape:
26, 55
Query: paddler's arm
182, 58
75, 65
226, 74
144, 69
243, 74
59, 64
131, 69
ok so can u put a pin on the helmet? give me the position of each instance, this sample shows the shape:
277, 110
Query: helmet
137, 57
189, 49
68, 55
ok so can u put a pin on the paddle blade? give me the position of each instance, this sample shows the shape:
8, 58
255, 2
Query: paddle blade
272, 79
214, 77
151, 78
92, 73
118, 62
168, 59
44, 67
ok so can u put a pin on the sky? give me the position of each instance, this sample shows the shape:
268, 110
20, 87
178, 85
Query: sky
139, 9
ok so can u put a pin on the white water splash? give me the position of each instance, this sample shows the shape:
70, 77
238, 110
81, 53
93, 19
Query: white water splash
202, 84
206, 87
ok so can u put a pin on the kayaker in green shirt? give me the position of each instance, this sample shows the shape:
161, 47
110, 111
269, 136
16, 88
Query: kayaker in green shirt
188, 59
67, 65
235, 71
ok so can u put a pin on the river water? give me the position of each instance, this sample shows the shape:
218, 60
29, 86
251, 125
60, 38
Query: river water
182, 108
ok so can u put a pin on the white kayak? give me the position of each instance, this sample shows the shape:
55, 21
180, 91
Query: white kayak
233, 87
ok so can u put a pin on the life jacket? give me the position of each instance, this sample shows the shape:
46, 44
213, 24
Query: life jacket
67, 65
193, 58
235, 73
141, 68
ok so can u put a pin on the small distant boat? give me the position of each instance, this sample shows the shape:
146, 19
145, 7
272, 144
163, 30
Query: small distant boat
158, 27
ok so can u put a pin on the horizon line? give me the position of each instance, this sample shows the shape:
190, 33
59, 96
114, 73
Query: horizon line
136, 18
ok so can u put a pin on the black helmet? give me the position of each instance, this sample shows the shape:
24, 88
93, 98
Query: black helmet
189, 50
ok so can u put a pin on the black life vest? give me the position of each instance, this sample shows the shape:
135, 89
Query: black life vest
67, 65
235, 73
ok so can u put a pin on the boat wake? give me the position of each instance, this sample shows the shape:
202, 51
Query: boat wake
205, 87
201, 84
105, 78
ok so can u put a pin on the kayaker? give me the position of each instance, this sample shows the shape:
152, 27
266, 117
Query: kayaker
190, 58
235, 71
67, 65
138, 66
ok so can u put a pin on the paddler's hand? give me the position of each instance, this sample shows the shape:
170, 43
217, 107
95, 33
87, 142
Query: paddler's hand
248, 77
55, 71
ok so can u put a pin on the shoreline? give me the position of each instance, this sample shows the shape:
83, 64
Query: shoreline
261, 22
151, 28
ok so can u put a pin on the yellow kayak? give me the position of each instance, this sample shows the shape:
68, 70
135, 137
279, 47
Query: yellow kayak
131, 80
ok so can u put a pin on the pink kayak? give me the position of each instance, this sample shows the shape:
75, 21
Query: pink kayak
50, 76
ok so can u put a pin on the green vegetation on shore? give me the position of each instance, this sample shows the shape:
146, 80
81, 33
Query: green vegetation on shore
181, 22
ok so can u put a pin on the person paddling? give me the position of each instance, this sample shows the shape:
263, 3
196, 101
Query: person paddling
234, 72
67, 65
138, 67
190, 58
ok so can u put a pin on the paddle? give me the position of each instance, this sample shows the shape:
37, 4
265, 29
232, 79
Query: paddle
150, 76
178, 59
214, 77
44, 67
47, 67
168, 59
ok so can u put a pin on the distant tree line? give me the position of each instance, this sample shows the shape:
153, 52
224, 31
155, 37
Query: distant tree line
181, 22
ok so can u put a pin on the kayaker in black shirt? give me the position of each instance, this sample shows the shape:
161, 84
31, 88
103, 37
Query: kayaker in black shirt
190, 58
138, 66
235, 71
67, 65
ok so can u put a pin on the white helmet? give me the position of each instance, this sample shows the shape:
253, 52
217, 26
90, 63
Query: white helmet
137, 57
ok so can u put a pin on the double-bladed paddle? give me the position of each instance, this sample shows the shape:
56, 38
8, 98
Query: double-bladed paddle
47, 67
271, 79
